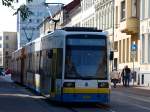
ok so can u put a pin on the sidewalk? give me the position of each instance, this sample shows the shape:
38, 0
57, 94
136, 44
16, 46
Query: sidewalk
143, 87
134, 86
6, 78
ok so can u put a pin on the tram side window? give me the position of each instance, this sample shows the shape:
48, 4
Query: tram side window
37, 55
44, 62
59, 62
33, 62
41, 62
30, 62
49, 55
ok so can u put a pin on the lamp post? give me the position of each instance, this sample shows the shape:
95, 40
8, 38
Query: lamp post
133, 53
113, 28
54, 20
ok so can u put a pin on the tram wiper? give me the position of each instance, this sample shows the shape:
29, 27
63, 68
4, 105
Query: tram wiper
85, 77
89, 77
79, 76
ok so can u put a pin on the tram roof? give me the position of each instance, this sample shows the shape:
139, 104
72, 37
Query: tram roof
70, 30
76, 30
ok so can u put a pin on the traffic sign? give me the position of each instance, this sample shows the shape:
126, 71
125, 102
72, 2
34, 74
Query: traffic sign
133, 47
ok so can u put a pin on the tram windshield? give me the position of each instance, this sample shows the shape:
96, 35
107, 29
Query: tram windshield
86, 58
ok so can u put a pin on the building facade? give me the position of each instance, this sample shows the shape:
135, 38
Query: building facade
126, 32
28, 30
8, 44
69, 15
120, 18
1, 52
144, 77
127, 23
88, 13
72, 14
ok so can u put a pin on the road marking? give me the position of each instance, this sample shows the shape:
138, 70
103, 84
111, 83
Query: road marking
134, 97
105, 107
137, 98
143, 107
112, 110
23, 95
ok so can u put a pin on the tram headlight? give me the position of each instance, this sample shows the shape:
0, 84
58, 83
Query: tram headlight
69, 84
103, 85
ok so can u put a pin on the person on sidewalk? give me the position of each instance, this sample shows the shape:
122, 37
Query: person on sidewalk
123, 76
2, 72
127, 74
114, 77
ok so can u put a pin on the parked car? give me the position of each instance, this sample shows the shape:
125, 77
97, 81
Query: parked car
8, 71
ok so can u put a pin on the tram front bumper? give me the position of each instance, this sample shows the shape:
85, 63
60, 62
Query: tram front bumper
101, 95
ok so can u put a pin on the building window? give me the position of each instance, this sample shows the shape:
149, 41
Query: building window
142, 9
148, 48
0, 54
30, 20
143, 48
120, 51
0, 61
7, 37
123, 10
134, 8
7, 46
0, 38
6, 53
124, 52
116, 46
149, 8
0, 45
116, 25
127, 50
38, 20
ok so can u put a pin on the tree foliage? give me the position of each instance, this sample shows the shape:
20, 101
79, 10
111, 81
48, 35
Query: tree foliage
23, 9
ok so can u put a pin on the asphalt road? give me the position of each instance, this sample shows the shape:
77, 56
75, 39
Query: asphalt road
15, 98
130, 99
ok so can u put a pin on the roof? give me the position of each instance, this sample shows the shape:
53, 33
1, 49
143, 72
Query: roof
71, 5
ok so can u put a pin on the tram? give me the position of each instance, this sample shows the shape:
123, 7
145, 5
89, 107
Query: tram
67, 65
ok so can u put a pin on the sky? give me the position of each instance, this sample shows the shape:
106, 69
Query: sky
8, 22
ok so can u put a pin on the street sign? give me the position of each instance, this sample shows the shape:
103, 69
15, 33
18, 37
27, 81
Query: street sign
133, 47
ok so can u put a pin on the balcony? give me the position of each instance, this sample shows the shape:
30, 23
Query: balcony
130, 26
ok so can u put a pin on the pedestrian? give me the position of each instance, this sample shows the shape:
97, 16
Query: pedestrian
123, 76
115, 76
7, 71
1, 72
127, 75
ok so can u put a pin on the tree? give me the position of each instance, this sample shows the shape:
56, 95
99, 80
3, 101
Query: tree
23, 9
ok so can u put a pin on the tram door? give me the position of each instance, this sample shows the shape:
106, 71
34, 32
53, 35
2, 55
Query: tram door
56, 69
22, 66
22, 71
53, 72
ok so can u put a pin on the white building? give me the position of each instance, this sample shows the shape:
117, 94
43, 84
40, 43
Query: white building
27, 30
1, 51
144, 77
8, 44
88, 13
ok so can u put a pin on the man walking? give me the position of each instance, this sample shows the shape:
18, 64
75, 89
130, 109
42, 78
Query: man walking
127, 76
114, 77
123, 76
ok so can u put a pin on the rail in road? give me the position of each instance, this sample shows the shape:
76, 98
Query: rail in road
16, 98
21, 99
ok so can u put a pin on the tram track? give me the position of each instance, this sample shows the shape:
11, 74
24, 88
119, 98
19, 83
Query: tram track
89, 108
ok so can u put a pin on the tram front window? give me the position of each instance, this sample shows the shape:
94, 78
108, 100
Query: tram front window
86, 62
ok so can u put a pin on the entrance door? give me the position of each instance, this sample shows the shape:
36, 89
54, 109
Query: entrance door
53, 72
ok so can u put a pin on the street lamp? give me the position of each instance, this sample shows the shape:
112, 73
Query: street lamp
133, 53
112, 49
54, 20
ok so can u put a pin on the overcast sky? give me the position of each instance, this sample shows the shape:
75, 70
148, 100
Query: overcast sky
8, 21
